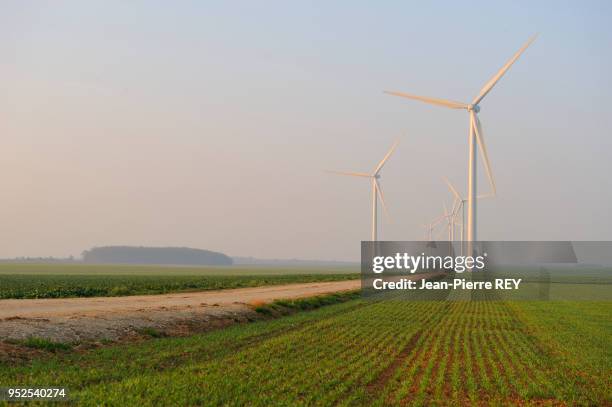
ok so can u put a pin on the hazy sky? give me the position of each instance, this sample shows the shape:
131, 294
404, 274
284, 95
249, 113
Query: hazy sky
210, 124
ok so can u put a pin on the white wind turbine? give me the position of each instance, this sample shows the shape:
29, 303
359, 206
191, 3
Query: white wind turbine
429, 228
475, 137
376, 189
428, 231
450, 222
459, 207
450, 225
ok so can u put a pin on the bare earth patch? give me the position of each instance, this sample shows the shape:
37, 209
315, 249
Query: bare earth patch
115, 318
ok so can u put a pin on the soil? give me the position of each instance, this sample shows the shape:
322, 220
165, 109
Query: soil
117, 318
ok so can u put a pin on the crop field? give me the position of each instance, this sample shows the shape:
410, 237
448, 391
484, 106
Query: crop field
76, 280
358, 352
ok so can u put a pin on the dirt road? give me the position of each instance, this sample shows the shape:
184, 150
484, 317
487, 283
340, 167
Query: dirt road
115, 318
101, 306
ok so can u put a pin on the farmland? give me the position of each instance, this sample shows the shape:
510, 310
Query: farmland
77, 280
356, 353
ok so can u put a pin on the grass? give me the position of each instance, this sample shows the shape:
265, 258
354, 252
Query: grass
280, 307
62, 281
150, 331
45, 344
357, 353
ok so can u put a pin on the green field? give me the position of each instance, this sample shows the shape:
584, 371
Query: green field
79, 280
108, 269
357, 353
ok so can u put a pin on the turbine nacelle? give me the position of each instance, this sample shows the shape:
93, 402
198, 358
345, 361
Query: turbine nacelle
473, 108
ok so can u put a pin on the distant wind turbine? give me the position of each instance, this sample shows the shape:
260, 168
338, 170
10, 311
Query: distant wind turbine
376, 189
428, 231
450, 222
429, 228
475, 137
459, 207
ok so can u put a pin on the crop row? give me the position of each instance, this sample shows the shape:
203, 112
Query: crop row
384, 353
356, 353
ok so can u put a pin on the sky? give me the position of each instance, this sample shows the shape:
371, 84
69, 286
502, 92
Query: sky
211, 124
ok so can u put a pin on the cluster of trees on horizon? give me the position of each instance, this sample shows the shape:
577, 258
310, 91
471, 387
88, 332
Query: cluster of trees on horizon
155, 255
171, 256
136, 255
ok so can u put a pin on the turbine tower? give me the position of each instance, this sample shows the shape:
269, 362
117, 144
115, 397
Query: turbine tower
475, 136
376, 189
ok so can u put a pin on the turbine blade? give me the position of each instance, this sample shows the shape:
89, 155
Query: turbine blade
455, 208
452, 189
489, 85
384, 160
433, 101
352, 174
485, 196
483, 150
436, 221
382, 199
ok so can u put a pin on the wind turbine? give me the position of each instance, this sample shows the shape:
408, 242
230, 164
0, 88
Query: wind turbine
460, 206
376, 190
450, 222
429, 228
475, 137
